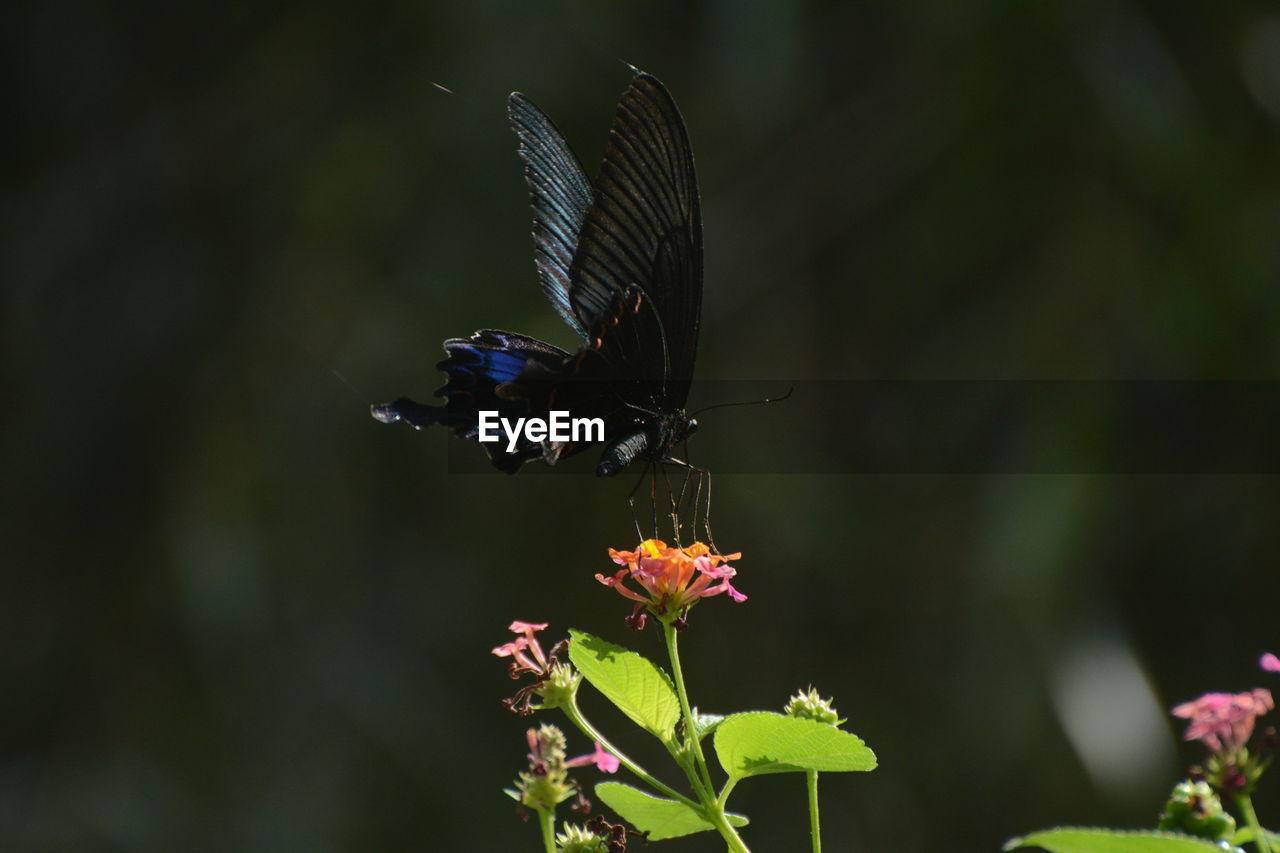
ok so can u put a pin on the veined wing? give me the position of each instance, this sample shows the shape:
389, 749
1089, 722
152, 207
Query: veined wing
644, 229
560, 195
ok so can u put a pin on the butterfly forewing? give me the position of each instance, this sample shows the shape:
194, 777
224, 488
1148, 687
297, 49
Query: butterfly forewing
560, 195
644, 229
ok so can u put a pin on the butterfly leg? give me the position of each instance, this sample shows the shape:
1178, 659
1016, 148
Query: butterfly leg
635, 519
680, 502
706, 517
653, 495
701, 474
674, 502
631, 500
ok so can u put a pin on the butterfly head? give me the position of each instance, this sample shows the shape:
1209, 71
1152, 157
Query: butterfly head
674, 428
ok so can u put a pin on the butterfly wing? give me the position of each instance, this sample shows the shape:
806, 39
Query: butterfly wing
560, 196
622, 264
644, 230
477, 369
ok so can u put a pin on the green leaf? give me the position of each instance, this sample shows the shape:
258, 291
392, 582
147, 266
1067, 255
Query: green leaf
639, 688
760, 742
1071, 839
705, 724
660, 818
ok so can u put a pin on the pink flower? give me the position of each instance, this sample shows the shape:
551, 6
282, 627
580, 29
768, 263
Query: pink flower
1269, 662
528, 658
1224, 721
671, 579
525, 652
604, 760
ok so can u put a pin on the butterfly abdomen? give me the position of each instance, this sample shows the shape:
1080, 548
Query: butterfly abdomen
621, 452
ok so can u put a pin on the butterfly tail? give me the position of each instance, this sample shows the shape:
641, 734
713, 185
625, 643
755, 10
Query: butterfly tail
477, 369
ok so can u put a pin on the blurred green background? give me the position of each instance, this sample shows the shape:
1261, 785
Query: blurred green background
241, 615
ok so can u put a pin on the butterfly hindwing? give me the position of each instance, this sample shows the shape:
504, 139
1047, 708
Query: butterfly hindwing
477, 370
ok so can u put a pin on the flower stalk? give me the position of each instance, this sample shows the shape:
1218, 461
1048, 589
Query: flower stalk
815, 830
547, 823
713, 806
1245, 804
575, 715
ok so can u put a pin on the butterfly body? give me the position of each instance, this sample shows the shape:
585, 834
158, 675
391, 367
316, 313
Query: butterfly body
620, 260
663, 432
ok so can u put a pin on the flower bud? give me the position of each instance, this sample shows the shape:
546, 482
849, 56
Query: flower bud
1194, 809
579, 839
809, 705
546, 783
560, 685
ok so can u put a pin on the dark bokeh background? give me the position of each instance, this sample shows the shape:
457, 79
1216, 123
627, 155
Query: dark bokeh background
241, 615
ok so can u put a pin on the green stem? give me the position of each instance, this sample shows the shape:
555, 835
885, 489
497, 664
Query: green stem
727, 790
685, 763
690, 728
713, 807
1245, 803
812, 777
576, 717
731, 838
547, 820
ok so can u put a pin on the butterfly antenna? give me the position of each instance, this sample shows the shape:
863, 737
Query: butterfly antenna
766, 400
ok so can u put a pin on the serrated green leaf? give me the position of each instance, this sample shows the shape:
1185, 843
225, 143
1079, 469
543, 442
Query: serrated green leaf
759, 742
639, 688
1073, 839
659, 817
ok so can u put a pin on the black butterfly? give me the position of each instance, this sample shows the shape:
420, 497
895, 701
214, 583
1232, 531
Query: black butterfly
621, 261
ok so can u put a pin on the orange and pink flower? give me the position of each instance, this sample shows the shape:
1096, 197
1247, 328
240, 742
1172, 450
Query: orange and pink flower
670, 579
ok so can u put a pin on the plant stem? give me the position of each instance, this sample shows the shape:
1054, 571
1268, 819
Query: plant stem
576, 717
1245, 803
732, 840
713, 808
811, 776
547, 820
727, 790
685, 762
690, 728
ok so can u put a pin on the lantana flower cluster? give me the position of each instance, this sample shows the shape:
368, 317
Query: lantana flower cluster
670, 579
1225, 722
546, 783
